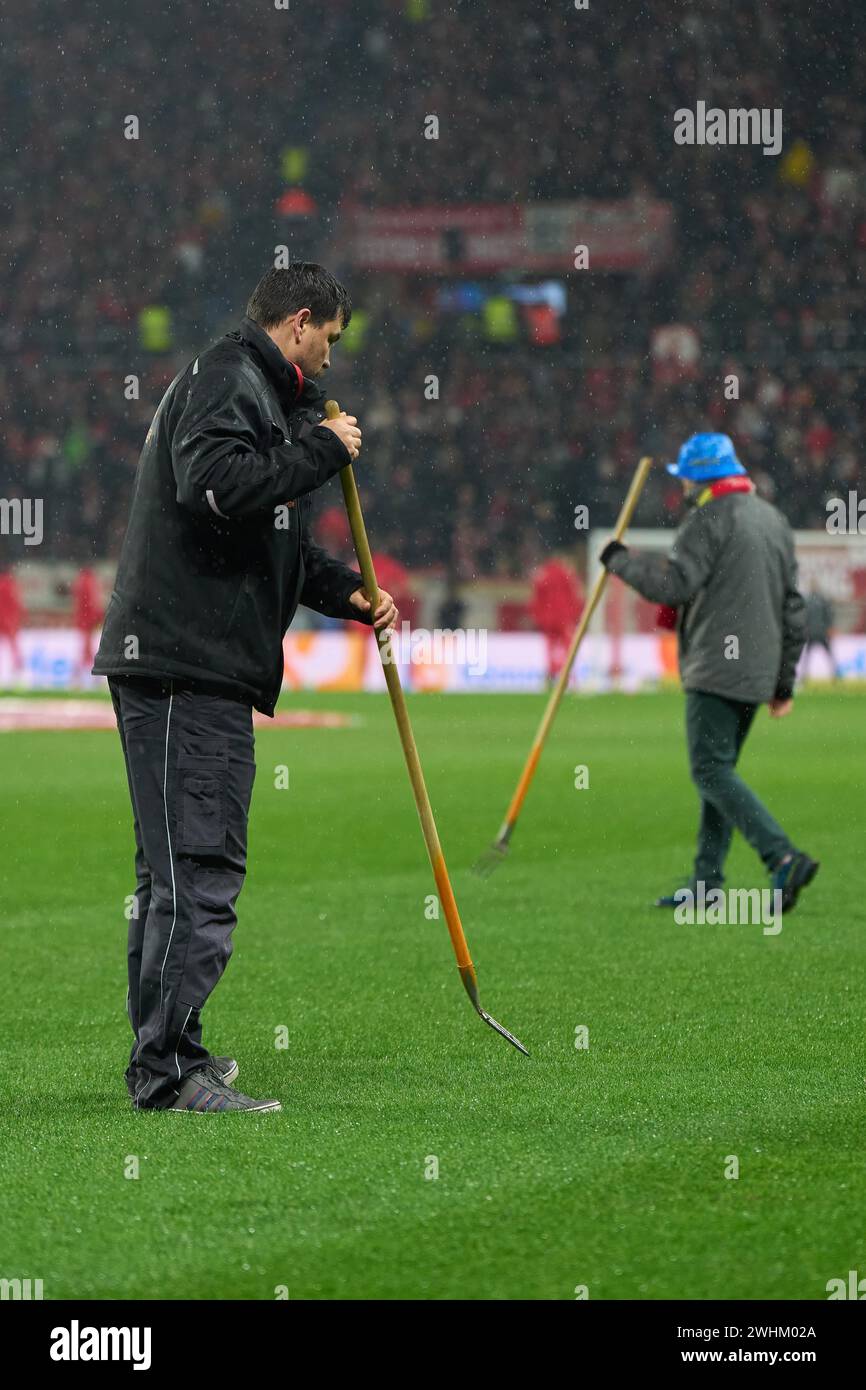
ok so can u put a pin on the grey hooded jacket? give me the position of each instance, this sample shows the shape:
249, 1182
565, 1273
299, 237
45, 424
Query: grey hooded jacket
733, 576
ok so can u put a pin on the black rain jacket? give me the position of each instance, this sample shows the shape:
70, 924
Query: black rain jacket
217, 554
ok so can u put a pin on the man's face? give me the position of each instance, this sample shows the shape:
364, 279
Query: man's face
313, 344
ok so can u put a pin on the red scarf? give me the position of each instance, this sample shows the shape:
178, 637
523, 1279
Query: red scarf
722, 486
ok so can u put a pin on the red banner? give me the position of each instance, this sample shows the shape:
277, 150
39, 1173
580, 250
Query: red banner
469, 238
631, 234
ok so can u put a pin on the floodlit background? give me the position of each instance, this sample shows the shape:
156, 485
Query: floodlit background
448, 162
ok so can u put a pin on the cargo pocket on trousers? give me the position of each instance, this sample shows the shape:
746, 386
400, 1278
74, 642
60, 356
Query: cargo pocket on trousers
203, 809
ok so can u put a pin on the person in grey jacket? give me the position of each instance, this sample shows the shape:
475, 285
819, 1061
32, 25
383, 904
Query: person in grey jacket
732, 576
819, 629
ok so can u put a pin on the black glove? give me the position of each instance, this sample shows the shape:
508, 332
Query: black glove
612, 549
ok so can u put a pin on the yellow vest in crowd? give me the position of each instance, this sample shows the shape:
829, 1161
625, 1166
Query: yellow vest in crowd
154, 328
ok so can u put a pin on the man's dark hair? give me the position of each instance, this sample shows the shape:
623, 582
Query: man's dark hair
301, 285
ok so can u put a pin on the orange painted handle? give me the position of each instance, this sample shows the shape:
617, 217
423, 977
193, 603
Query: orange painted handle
526, 777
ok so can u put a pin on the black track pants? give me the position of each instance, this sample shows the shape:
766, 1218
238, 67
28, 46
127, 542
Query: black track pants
190, 765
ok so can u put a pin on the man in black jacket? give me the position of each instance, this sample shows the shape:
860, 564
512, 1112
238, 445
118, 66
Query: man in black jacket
215, 561
733, 577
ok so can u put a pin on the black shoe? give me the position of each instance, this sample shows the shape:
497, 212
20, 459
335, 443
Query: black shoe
791, 875
203, 1092
225, 1070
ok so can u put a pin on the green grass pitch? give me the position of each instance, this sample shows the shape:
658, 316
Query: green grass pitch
602, 1167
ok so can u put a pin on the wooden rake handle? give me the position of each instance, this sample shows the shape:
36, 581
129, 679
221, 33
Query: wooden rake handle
622, 524
401, 715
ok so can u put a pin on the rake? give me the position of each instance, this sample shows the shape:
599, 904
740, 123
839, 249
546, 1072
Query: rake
493, 857
410, 752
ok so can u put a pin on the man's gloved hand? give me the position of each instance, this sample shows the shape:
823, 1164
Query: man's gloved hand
609, 554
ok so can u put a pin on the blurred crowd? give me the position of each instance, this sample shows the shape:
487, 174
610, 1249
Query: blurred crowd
125, 256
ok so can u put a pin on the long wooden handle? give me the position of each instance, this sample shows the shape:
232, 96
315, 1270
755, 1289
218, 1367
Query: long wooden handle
526, 776
401, 715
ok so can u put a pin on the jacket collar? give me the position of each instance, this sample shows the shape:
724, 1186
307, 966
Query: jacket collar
286, 376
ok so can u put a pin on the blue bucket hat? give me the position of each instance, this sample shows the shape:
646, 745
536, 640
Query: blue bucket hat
705, 457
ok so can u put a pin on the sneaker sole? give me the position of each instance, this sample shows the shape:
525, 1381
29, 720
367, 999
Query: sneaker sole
266, 1108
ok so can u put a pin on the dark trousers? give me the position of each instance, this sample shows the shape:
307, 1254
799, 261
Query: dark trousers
716, 730
190, 765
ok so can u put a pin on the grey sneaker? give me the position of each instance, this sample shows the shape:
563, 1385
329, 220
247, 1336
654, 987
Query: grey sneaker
224, 1068
203, 1091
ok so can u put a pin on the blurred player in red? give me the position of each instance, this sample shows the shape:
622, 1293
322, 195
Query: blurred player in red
394, 577
11, 612
87, 608
556, 606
